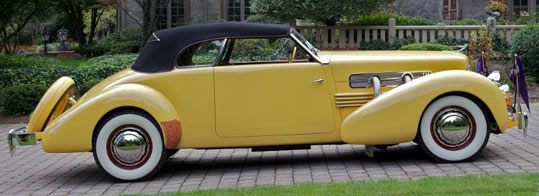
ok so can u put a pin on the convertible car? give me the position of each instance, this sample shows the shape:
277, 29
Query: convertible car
265, 87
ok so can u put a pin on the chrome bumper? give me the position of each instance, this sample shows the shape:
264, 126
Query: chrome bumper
21, 137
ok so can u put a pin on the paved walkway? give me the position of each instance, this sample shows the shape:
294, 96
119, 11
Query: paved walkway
34, 172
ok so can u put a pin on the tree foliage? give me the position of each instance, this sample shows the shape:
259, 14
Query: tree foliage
14, 16
328, 12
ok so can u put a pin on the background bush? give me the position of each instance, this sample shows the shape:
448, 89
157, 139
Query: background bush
124, 41
22, 99
526, 45
426, 47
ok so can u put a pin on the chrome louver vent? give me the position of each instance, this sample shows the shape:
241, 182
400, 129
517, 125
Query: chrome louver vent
352, 99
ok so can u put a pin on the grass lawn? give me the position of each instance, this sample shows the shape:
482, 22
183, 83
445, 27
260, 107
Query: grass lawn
523, 184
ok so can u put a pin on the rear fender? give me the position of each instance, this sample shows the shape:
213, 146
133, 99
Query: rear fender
72, 131
394, 117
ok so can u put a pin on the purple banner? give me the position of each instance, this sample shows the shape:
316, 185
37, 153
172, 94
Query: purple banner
481, 66
519, 81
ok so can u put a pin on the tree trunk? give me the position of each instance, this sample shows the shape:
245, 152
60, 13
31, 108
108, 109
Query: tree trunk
77, 20
93, 25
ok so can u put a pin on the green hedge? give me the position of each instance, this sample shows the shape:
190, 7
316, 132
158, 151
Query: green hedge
94, 69
22, 99
526, 45
17, 61
426, 47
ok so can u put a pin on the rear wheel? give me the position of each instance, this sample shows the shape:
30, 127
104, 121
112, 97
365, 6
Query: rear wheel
128, 145
453, 128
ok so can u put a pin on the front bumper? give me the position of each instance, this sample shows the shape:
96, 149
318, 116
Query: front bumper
21, 137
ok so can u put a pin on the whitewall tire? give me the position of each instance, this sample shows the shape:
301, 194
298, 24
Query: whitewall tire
128, 145
453, 128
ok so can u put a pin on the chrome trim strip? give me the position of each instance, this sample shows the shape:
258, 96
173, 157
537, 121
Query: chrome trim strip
363, 80
316, 57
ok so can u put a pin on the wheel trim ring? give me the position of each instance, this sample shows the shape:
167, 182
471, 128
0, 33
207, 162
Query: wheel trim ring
461, 146
114, 160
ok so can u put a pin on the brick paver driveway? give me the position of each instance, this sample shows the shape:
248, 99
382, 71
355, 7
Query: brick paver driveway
34, 172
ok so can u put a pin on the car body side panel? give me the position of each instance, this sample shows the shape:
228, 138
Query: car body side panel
394, 117
272, 99
72, 131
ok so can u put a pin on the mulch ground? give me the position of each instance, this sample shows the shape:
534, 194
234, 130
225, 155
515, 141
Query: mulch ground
13, 119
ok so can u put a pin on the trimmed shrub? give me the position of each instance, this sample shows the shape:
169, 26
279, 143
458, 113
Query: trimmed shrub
526, 45
426, 47
22, 99
125, 47
450, 41
375, 20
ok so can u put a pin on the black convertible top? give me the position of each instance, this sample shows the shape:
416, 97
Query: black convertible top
160, 52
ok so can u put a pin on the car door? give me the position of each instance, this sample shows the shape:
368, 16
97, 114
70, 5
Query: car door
259, 91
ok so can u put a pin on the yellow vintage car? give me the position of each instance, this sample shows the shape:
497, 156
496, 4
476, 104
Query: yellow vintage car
265, 87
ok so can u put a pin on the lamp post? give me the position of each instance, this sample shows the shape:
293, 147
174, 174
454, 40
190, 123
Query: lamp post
44, 32
62, 36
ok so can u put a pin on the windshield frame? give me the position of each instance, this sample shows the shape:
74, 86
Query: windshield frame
306, 45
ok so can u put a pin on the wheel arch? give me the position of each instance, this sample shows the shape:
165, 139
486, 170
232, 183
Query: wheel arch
121, 109
491, 121
73, 130
394, 116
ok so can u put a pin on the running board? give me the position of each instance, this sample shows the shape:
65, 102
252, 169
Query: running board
276, 148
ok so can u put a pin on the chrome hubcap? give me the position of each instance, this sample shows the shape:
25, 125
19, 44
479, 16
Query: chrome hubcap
453, 127
129, 146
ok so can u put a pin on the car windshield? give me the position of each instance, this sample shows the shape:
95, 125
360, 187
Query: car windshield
304, 41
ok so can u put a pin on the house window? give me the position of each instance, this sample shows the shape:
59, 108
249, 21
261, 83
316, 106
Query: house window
169, 13
520, 6
450, 10
177, 12
238, 10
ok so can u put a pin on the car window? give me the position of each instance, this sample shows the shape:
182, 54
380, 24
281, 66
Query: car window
259, 50
204, 53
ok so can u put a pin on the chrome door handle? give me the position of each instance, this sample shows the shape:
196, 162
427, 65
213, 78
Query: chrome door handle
318, 81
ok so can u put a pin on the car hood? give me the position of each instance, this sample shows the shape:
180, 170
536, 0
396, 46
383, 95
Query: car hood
345, 63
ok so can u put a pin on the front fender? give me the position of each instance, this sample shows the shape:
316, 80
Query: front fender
72, 131
394, 117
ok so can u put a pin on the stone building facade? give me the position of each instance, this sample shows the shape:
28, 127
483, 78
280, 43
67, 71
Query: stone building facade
171, 13
447, 10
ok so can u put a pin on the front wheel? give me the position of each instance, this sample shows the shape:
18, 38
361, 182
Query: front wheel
128, 145
453, 128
